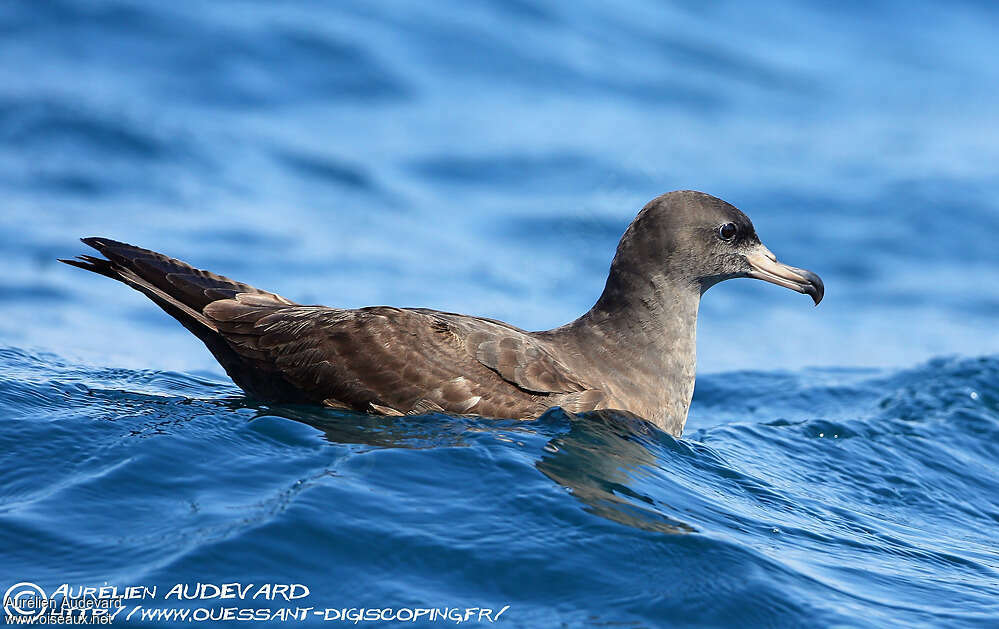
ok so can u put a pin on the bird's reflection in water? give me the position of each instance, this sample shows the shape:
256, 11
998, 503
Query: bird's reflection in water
599, 459
596, 456
379, 431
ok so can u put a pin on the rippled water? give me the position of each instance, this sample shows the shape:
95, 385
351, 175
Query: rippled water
839, 465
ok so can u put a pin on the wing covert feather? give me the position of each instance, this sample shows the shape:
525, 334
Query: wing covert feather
518, 357
391, 360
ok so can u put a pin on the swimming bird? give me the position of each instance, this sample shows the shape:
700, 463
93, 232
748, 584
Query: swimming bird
634, 350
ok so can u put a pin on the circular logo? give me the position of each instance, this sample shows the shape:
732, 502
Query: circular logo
25, 599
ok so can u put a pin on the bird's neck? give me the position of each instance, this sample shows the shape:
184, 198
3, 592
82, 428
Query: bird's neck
644, 329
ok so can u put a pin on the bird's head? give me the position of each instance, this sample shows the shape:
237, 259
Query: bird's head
704, 240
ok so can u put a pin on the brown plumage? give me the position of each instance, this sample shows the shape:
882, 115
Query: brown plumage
633, 351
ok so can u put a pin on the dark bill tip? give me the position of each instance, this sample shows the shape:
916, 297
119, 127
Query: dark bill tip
814, 287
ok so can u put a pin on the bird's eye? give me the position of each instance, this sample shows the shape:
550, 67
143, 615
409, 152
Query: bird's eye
728, 231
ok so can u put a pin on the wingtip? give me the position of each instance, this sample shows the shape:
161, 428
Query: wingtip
101, 243
77, 262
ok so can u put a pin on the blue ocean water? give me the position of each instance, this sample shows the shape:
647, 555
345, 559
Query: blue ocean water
839, 467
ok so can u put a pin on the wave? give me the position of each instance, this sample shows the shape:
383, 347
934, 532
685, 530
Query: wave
816, 493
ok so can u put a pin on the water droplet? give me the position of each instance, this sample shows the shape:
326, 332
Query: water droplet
822, 434
974, 395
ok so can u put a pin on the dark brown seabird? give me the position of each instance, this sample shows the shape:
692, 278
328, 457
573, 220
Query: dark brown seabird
633, 350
